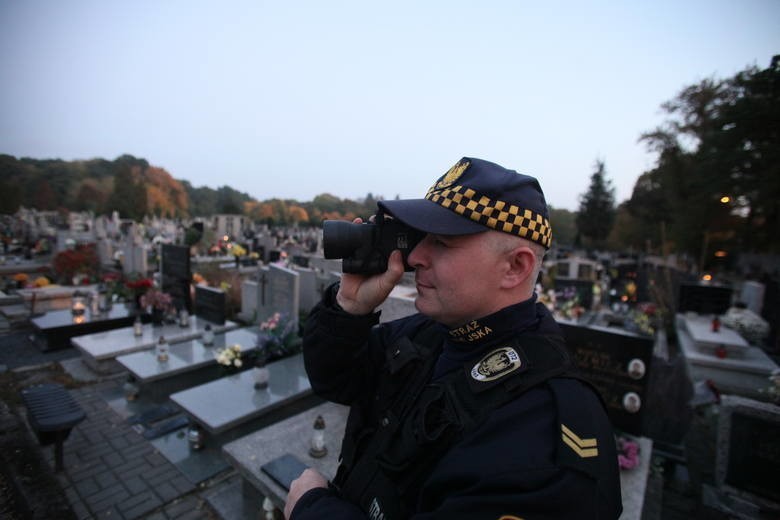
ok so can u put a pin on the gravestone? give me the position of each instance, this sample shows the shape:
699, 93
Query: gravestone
752, 295
278, 291
105, 251
134, 258
324, 265
617, 362
309, 294
703, 298
300, 261
249, 297
177, 275
210, 304
747, 469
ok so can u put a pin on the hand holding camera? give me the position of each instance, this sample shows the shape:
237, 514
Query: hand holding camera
365, 251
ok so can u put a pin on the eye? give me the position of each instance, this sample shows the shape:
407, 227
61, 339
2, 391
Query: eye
439, 241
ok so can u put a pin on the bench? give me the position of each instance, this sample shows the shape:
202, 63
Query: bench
52, 413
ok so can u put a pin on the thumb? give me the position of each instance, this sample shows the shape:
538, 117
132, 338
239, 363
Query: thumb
395, 268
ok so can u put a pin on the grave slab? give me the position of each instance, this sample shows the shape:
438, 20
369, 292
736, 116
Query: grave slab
700, 330
190, 363
232, 401
100, 350
292, 435
743, 375
55, 328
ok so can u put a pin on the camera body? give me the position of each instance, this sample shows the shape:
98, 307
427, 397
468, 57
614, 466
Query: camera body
365, 248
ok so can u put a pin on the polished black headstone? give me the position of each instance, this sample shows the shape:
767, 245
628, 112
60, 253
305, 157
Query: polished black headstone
617, 362
703, 298
177, 275
210, 304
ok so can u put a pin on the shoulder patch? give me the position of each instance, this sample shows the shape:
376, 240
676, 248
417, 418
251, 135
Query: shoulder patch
496, 364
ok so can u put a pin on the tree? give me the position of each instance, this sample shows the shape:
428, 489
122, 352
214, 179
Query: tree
597, 208
563, 226
129, 195
718, 169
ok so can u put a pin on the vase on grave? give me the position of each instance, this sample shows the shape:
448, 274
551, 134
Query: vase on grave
260, 370
158, 315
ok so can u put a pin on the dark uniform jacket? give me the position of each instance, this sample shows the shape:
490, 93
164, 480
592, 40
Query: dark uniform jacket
484, 421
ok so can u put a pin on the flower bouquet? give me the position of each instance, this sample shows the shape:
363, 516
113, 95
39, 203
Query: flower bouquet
160, 302
229, 357
747, 323
281, 336
628, 453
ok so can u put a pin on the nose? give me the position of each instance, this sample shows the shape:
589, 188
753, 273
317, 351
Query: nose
418, 257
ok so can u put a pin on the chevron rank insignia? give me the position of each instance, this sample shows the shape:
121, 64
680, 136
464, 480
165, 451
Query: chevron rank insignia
584, 448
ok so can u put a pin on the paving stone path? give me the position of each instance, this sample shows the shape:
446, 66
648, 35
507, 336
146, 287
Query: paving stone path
111, 471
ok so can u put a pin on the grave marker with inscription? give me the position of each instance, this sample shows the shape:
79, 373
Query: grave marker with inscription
278, 291
176, 275
210, 304
617, 362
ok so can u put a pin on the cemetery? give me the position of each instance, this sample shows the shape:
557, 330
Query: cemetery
184, 374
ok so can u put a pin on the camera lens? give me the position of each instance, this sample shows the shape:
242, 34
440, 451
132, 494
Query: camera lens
341, 239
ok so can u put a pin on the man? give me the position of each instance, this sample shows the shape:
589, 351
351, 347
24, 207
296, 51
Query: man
471, 408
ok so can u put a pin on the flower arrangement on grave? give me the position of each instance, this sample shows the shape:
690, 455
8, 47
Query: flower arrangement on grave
41, 281
135, 287
78, 265
628, 452
568, 304
280, 336
747, 323
237, 250
21, 279
229, 357
644, 319
198, 279
156, 300
773, 390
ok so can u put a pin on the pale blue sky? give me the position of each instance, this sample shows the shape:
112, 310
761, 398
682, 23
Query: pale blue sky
292, 99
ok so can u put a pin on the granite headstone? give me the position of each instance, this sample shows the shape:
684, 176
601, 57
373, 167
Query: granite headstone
617, 362
177, 275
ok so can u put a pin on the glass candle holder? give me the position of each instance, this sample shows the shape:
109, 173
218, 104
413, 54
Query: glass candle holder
162, 350
208, 336
318, 448
138, 327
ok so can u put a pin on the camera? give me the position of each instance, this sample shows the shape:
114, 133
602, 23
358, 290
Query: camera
365, 248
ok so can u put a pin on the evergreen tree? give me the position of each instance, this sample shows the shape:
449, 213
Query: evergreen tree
597, 208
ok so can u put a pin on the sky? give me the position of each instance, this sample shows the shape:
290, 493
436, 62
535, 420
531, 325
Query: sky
292, 99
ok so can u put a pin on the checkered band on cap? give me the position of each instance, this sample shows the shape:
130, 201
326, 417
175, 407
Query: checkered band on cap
495, 214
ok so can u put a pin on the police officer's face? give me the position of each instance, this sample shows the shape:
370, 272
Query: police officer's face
457, 277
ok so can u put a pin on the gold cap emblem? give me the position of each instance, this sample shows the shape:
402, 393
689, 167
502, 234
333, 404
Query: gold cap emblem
452, 175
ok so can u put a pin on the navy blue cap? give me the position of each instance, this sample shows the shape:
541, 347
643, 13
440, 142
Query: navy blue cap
476, 195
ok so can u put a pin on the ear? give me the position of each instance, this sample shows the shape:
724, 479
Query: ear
520, 266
